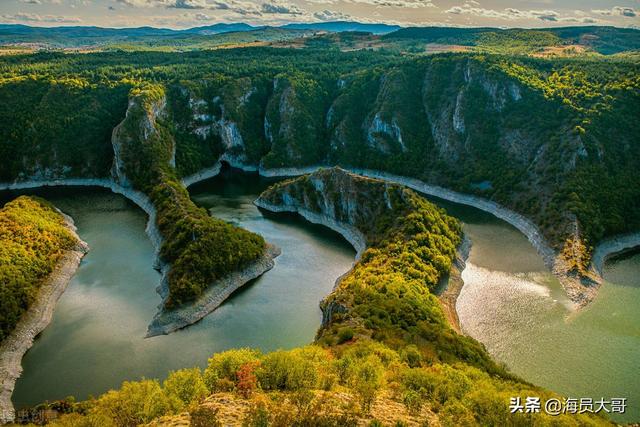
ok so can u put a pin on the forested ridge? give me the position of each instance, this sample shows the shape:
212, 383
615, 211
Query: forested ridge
463, 121
33, 238
199, 248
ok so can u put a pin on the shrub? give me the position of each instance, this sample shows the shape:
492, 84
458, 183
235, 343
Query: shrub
345, 334
247, 381
287, 370
258, 416
455, 414
413, 401
411, 356
225, 365
135, 403
185, 387
367, 380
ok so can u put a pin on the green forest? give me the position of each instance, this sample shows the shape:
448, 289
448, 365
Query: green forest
386, 110
33, 238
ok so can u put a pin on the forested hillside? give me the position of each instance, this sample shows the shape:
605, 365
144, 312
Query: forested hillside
33, 238
532, 134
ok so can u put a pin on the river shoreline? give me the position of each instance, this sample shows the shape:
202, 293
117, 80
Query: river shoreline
452, 284
581, 294
34, 321
168, 321
351, 234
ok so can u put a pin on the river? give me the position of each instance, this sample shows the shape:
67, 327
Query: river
510, 302
520, 312
96, 338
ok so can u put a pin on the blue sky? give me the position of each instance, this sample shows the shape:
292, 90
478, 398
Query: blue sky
189, 13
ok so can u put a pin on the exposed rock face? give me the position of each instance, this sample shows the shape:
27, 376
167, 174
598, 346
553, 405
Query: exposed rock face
329, 311
350, 204
344, 202
139, 124
379, 127
458, 119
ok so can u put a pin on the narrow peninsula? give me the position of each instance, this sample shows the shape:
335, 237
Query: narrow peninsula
39, 253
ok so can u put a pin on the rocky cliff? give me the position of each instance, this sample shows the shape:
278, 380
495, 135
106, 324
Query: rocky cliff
528, 135
406, 249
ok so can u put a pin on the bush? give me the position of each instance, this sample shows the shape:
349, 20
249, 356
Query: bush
367, 380
411, 356
455, 414
345, 334
185, 387
287, 370
224, 366
413, 401
247, 381
135, 403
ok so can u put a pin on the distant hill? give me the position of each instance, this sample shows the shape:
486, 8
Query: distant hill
222, 28
90, 37
340, 26
605, 40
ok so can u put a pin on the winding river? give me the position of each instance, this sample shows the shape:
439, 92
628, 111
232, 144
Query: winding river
96, 339
510, 302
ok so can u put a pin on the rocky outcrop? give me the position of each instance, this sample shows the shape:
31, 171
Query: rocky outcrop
380, 127
348, 231
139, 123
362, 210
34, 321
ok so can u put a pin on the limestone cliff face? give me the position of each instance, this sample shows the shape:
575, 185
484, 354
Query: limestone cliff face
353, 201
386, 223
137, 138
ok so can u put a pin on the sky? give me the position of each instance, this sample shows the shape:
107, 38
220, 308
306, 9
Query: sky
191, 13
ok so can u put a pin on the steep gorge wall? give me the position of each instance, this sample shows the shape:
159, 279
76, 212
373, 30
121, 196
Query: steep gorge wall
460, 122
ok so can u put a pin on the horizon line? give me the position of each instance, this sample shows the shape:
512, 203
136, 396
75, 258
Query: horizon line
257, 26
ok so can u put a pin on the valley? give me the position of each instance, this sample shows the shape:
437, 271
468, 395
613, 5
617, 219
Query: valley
480, 156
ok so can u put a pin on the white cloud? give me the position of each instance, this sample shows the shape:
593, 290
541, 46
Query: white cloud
408, 4
625, 11
332, 15
238, 7
281, 9
517, 14
31, 1
34, 17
